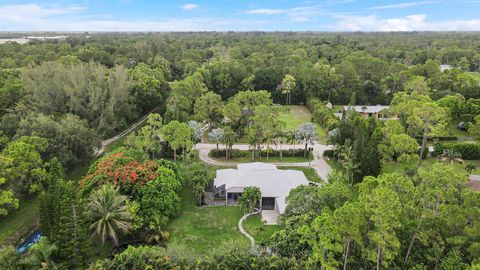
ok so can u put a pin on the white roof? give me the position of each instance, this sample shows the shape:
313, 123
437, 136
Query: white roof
445, 67
271, 181
366, 109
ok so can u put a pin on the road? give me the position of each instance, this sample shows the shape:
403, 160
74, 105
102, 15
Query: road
318, 163
106, 142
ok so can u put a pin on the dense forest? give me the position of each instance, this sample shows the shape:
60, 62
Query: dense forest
59, 99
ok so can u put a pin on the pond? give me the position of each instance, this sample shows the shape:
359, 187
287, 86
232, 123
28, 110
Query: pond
32, 239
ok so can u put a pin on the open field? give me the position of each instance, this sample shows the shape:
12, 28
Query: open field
297, 115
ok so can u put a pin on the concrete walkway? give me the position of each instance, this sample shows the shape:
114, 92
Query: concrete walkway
270, 217
318, 163
242, 230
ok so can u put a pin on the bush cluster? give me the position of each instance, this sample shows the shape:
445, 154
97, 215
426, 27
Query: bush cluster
468, 151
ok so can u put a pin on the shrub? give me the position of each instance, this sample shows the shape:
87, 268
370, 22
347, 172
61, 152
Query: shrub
468, 151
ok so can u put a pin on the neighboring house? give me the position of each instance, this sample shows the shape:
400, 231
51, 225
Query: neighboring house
274, 184
445, 67
377, 111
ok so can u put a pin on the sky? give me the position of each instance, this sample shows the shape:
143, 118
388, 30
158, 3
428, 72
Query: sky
239, 15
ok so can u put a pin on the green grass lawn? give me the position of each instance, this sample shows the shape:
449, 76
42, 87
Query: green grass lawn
475, 75
255, 227
272, 158
427, 163
310, 173
20, 222
203, 229
298, 115
452, 130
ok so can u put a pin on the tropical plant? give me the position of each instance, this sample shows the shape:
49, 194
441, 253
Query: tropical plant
250, 198
470, 168
450, 156
307, 134
347, 159
108, 214
156, 234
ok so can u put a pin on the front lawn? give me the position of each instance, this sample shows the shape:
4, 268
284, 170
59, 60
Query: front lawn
245, 156
203, 229
256, 228
310, 173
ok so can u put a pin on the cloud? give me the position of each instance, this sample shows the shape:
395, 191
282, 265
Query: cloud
266, 11
189, 6
296, 14
405, 5
23, 13
415, 22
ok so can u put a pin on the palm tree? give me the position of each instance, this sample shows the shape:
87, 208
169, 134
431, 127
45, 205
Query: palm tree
291, 138
450, 156
347, 158
470, 168
108, 214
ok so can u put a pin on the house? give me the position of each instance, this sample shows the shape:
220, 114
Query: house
377, 111
445, 67
274, 184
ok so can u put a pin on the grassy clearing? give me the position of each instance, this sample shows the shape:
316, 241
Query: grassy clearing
427, 163
452, 130
475, 75
256, 228
310, 173
297, 115
20, 222
202, 229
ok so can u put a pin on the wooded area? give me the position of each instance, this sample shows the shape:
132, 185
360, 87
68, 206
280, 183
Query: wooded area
60, 98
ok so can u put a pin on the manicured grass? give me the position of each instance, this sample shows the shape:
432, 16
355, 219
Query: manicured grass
296, 115
310, 173
203, 229
256, 228
20, 222
271, 159
452, 130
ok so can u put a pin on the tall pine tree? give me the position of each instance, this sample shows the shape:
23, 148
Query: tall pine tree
62, 220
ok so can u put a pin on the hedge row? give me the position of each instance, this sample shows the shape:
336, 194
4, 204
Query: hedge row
468, 151
322, 115
235, 153
437, 138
